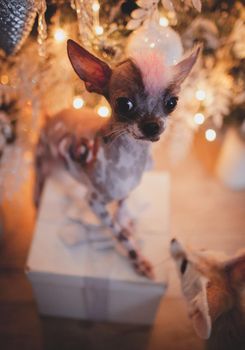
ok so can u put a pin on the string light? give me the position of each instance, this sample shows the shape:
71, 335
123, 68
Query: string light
200, 95
103, 111
78, 102
199, 118
95, 6
152, 45
60, 35
210, 135
98, 30
4, 79
163, 21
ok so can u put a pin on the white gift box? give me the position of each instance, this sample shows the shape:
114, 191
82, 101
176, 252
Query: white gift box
78, 273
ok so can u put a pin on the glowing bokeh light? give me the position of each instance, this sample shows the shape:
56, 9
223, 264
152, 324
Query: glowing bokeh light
78, 102
200, 95
95, 6
103, 111
210, 135
60, 35
199, 118
163, 21
98, 30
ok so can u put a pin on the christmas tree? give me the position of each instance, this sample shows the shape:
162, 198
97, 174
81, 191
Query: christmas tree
37, 80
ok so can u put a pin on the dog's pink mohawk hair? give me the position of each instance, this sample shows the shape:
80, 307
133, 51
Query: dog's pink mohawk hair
155, 73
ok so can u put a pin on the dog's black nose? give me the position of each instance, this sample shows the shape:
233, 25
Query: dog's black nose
150, 129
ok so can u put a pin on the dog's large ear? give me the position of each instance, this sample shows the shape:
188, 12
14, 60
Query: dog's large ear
94, 72
182, 69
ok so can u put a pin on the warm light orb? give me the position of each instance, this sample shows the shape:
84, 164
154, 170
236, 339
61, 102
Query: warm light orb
210, 135
152, 45
103, 111
78, 102
199, 118
200, 95
163, 21
95, 6
60, 35
98, 30
4, 79
28, 156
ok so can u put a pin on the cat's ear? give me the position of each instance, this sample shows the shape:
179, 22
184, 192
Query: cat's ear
194, 287
94, 72
182, 69
199, 313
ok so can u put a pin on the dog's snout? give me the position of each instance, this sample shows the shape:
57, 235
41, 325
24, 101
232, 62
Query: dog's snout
150, 129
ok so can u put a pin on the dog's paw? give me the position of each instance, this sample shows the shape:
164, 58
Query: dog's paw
144, 267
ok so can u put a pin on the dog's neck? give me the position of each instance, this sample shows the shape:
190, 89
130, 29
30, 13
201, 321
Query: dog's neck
119, 166
126, 143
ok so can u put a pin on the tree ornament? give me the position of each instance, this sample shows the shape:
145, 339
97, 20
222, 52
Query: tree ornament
42, 28
164, 39
16, 21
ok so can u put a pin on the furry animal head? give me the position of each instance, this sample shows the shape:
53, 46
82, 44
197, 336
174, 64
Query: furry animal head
212, 285
142, 90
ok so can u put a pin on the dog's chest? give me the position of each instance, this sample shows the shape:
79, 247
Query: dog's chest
120, 166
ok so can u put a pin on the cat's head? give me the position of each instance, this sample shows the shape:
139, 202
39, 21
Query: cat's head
212, 284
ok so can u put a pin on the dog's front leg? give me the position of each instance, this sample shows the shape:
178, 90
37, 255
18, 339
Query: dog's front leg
123, 215
121, 234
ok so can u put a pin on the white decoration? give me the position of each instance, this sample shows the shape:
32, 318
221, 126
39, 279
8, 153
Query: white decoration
237, 37
168, 4
231, 163
197, 4
149, 9
133, 24
165, 40
139, 13
146, 4
204, 30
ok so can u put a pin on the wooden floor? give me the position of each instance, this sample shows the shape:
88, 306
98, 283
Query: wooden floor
205, 214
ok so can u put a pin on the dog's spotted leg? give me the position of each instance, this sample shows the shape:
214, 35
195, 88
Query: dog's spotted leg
123, 216
121, 234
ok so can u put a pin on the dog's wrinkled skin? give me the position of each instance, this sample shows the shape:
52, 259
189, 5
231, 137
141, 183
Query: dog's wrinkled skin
214, 288
111, 157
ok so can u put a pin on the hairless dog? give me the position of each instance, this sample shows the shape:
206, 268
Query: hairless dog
111, 156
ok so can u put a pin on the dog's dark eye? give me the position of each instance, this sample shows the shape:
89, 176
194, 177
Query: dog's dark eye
183, 266
124, 106
170, 104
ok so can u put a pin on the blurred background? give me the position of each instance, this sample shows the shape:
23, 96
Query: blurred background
203, 148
